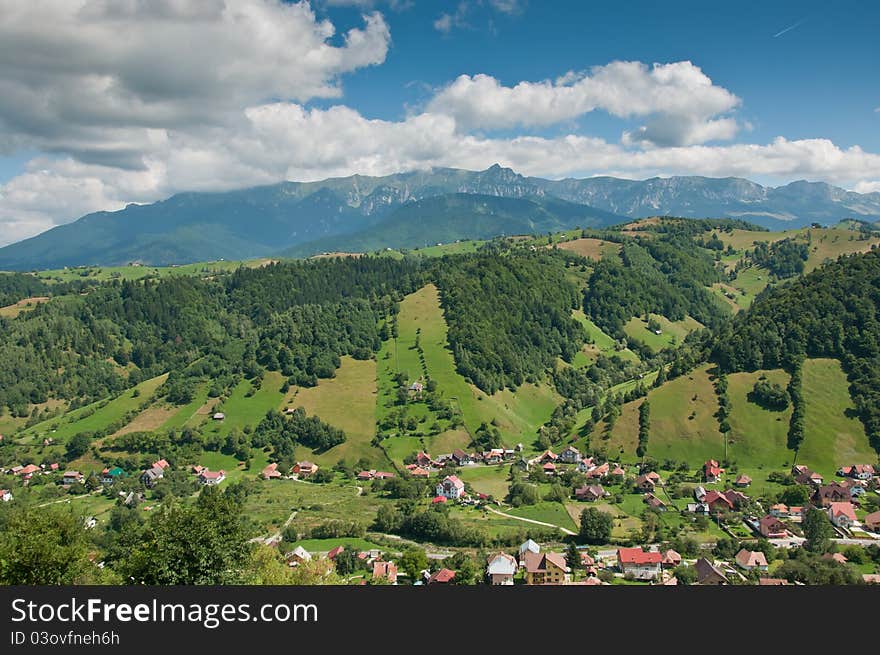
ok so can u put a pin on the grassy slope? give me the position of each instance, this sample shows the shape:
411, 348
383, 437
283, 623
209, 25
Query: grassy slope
601, 343
831, 438
672, 332
242, 410
758, 436
348, 402
84, 420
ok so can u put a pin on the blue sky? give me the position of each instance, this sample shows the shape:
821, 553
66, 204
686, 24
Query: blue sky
819, 79
107, 102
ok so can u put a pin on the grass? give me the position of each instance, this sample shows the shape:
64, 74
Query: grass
749, 283
347, 402
242, 410
591, 248
546, 512
489, 480
189, 411
683, 423
832, 437
601, 342
672, 332
758, 436
96, 416
271, 503
26, 305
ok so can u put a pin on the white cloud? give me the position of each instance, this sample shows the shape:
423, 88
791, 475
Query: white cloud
512, 7
281, 141
867, 186
447, 21
97, 77
683, 103
134, 100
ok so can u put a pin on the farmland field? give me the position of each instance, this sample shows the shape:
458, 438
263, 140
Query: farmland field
672, 332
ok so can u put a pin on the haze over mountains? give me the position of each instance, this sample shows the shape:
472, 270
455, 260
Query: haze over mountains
360, 213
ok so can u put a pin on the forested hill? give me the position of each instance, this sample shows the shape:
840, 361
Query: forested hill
832, 312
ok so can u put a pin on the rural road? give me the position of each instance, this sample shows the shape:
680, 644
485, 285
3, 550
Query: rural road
520, 518
277, 536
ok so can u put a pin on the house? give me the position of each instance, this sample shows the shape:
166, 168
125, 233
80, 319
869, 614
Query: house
161, 464
590, 493
334, 552
795, 514
654, 503
586, 465
772, 528
600, 471
386, 570
871, 578
772, 582
642, 565
210, 478
461, 458
522, 464
437, 500
699, 493
297, 556
26, 472
424, 460
751, 559
443, 576
842, 514
418, 471
830, 493
417, 387
717, 502
450, 487
111, 475
494, 456
548, 456
72, 477
712, 471
737, 498
742, 481
803, 475
872, 521
549, 468
647, 481
670, 559
305, 469
500, 569
570, 455
708, 573
5, 495
698, 508
779, 510
618, 471
219, 416
271, 472
528, 546
152, 476
545, 568
858, 471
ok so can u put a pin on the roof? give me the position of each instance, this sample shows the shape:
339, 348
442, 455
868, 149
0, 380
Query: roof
746, 558
638, 556
538, 562
842, 509
334, 552
769, 582
706, 569
671, 557
438, 499
212, 475
529, 545
442, 576
873, 517
454, 481
715, 497
501, 564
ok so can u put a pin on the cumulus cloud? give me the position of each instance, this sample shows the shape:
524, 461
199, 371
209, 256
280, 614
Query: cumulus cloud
135, 100
868, 186
683, 103
99, 78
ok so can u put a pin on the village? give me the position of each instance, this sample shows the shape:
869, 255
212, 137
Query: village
762, 531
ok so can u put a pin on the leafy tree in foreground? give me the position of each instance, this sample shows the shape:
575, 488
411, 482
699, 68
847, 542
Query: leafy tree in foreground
596, 526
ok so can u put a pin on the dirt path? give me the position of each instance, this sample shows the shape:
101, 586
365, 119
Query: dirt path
273, 538
520, 518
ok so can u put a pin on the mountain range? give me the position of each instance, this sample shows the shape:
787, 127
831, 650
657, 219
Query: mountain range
362, 213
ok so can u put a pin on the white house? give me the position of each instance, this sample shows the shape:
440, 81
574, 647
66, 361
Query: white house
842, 514
5, 495
751, 559
501, 569
450, 487
642, 565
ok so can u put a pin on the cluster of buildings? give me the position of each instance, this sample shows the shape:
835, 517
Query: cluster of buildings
379, 567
